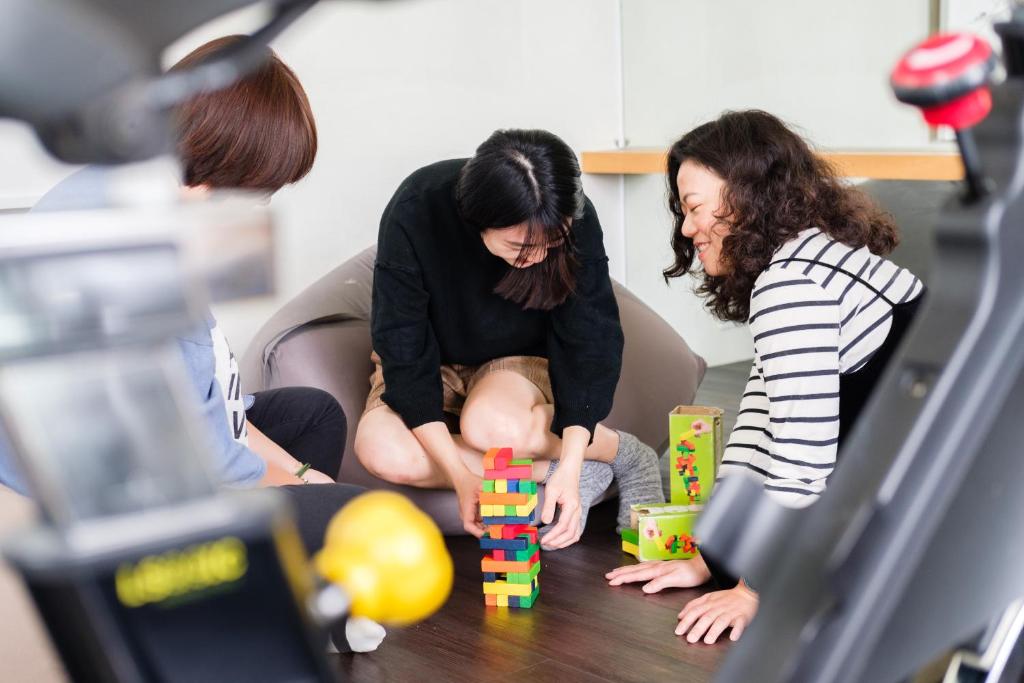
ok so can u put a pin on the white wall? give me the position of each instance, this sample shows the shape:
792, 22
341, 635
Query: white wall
822, 66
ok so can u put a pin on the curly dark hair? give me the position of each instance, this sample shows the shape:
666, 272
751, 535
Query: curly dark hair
775, 187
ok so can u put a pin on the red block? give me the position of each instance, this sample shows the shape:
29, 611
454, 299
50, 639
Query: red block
498, 555
510, 472
497, 459
509, 531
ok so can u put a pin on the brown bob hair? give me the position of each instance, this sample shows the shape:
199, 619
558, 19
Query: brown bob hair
257, 134
775, 187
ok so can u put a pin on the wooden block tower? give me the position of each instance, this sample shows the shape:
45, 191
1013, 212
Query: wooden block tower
508, 506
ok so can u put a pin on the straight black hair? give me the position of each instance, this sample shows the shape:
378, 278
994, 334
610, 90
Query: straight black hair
531, 177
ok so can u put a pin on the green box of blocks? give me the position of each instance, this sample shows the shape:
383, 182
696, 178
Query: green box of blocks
665, 531
694, 451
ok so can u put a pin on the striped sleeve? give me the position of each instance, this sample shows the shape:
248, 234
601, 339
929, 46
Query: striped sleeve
750, 430
795, 325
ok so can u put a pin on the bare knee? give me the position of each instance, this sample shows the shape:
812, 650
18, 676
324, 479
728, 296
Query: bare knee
391, 459
485, 427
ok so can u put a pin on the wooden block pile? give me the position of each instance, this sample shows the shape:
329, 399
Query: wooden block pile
508, 506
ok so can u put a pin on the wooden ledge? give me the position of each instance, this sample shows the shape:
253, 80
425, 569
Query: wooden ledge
877, 165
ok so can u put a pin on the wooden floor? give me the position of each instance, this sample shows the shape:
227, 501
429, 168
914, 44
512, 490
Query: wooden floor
580, 630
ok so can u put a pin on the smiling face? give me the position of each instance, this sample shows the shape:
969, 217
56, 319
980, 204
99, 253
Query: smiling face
508, 243
700, 200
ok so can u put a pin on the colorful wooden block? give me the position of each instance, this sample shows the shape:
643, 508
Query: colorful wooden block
513, 486
487, 486
497, 458
505, 498
504, 544
502, 600
490, 563
511, 519
510, 472
500, 485
492, 576
525, 602
523, 577
506, 588
511, 530
491, 599
528, 487
498, 555
523, 555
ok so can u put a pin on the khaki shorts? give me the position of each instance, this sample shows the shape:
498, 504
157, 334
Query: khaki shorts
459, 380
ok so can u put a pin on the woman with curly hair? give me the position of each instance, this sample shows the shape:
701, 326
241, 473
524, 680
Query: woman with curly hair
790, 249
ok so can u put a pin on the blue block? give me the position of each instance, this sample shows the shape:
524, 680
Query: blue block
531, 519
513, 601
504, 544
513, 486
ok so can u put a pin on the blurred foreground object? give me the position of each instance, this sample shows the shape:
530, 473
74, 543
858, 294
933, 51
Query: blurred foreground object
389, 557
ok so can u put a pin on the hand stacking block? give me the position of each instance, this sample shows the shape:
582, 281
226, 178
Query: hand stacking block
510, 472
505, 498
505, 588
497, 458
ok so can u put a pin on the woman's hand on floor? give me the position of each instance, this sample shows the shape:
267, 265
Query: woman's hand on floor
662, 574
712, 613
467, 490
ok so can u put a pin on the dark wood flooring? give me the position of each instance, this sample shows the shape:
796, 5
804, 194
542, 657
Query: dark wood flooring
580, 630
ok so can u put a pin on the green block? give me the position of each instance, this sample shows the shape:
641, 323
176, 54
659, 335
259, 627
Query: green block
631, 536
488, 486
707, 454
510, 511
522, 555
521, 461
528, 487
524, 577
527, 602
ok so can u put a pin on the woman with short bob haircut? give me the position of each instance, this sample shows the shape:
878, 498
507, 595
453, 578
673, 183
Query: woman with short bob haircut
492, 303
790, 249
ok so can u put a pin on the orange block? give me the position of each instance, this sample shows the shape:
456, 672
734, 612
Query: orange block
504, 498
497, 458
491, 599
493, 566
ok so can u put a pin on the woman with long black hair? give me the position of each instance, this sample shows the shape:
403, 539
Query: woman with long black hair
492, 303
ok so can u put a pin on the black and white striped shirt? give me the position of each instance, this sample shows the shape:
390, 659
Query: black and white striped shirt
811, 320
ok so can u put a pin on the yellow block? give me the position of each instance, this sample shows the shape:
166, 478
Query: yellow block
524, 510
501, 485
633, 550
502, 601
485, 511
505, 588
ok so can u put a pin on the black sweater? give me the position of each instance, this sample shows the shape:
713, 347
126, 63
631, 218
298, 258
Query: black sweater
434, 304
